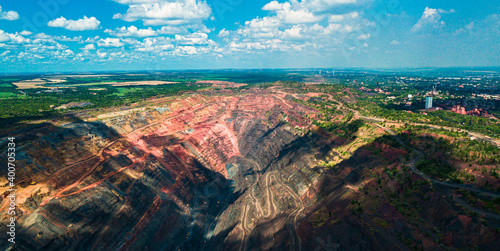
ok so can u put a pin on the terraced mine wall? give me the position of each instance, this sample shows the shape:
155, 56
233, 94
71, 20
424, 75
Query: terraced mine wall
155, 175
234, 172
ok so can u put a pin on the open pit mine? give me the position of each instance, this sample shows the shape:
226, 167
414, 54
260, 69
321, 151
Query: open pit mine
232, 171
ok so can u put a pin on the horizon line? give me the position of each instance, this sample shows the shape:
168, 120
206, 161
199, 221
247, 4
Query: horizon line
400, 69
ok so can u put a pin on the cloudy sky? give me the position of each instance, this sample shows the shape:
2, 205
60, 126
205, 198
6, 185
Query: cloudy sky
74, 35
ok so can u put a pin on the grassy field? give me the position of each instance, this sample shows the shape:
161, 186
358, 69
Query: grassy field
122, 91
10, 79
7, 94
7, 85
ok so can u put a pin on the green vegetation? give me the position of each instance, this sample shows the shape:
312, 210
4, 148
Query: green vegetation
415, 130
6, 85
436, 167
455, 158
123, 91
342, 88
320, 217
380, 222
440, 118
344, 129
17, 107
486, 203
7, 89
35, 105
374, 106
7, 94
460, 149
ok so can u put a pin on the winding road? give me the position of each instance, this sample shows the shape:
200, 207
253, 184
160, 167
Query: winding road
412, 166
271, 207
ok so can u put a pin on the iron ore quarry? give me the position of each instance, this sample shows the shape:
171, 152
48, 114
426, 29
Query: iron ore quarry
233, 170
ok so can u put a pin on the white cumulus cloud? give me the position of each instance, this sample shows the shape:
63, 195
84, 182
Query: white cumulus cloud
194, 39
132, 31
82, 24
161, 12
292, 13
273, 6
101, 54
395, 42
431, 18
110, 42
293, 32
364, 36
8, 15
4, 53
26, 33
296, 25
186, 50
89, 47
4, 37
223, 33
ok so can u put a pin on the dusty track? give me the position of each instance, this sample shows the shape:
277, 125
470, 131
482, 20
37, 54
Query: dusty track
419, 154
474, 134
412, 166
292, 218
271, 208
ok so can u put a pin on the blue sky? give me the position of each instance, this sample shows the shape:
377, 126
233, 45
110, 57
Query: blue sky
101, 35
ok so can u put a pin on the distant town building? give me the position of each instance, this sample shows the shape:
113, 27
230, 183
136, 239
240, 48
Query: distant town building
410, 96
434, 91
459, 109
428, 102
475, 112
378, 89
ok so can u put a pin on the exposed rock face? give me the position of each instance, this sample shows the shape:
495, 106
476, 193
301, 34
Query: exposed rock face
155, 175
209, 173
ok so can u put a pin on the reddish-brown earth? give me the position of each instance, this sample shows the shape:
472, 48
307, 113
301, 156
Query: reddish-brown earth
223, 172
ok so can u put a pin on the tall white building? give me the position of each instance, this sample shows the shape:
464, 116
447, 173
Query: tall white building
428, 102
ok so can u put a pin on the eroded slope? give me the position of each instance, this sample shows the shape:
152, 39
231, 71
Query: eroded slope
228, 172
